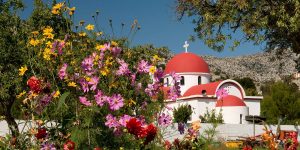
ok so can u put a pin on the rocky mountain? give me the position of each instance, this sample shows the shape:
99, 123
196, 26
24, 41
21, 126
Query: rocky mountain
260, 67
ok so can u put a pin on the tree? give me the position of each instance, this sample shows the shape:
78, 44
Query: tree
248, 84
12, 56
281, 101
273, 21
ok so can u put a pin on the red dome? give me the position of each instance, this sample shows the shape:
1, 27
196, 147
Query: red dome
186, 62
230, 100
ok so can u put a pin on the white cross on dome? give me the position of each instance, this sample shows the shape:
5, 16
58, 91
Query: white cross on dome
186, 45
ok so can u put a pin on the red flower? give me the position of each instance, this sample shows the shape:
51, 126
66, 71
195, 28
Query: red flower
151, 133
69, 145
135, 127
34, 84
97, 148
42, 132
168, 145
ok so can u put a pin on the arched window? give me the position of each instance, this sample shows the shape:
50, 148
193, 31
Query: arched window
199, 80
182, 80
167, 84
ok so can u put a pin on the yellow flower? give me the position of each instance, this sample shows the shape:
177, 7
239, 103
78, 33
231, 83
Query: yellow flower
56, 94
98, 47
104, 71
49, 44
58, 6
88, 79
81, 22
47, 32
34, 42
55, 11
72, 84
71, 11
82, 34
89, 27
156, 58
131, 102
47, 54
22, 70
109, 61
21, 94
99, 33
114, 44
35, 33
152, 69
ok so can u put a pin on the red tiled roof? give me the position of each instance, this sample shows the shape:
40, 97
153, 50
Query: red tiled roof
186, 62
197, 89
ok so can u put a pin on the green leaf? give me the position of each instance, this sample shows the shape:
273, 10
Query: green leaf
62, 100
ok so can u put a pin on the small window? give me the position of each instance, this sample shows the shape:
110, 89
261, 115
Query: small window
241, 118
167, 84
203, 92
199, 80
182, 80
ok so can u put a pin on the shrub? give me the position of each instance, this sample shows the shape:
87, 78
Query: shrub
182, 113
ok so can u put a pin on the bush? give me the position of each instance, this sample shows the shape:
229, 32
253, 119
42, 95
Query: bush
212, 117
182, 113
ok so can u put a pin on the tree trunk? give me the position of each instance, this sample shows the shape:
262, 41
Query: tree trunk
12, 125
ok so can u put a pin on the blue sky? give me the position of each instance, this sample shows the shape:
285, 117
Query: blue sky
158, 22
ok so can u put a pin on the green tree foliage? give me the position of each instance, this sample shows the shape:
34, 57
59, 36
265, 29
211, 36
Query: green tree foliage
281, 101
275, 22
182, 113
248, 84
12, 56
212, 117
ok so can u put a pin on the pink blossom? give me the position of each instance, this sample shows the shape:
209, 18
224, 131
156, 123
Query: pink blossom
143, 66
87, 65
221, 93
60, 46
116, 102
94, 82
111, 121
124, 119
116, 51
100, 98
123, 68
84, 85
164, 120
106, 47
62, 72
158, 74
84, 101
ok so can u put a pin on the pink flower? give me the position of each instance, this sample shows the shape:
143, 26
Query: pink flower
111, 121
87, 65
106, 47
100, 98
124, 119
164, 120
123, 68
221, 93
84, 101
62, 72
116, 102
116, 51
143, 66
84, 85
94, 82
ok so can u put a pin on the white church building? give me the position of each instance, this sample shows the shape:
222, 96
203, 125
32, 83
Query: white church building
200, 93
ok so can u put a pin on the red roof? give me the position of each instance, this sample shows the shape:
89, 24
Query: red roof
230, 100
186, 62
197, 89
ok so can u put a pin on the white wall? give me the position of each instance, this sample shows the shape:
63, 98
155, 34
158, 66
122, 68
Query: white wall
232, 114
190, 79
254, 106
232, 89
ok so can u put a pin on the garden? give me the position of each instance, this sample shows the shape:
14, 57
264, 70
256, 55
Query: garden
76, 87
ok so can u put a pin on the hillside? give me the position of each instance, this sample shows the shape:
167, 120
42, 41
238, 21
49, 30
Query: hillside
261, 67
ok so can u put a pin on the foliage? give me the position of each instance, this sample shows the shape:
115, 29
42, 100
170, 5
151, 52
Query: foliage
281, 101
248, 84
13, 53
182, 114
275, 22
87, 85
212, 117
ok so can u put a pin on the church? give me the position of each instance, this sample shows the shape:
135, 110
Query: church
200, 93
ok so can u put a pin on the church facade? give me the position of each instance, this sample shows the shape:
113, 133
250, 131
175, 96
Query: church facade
200, 93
